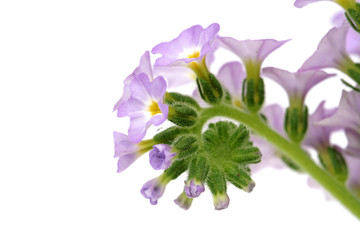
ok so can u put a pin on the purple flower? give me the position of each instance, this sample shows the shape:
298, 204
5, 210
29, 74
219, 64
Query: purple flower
193, 188
302, 3
127, 151
154, 189
144, 67
345, 4
232, 75
354, 174
296, 84
331, 51
347, 117
145, 105
221, 201
161, 156
191, 45
183, 201
251, 52
318, 136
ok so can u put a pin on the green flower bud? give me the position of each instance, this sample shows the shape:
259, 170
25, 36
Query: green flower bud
183, 114
253, 94
168, 135
210, 89
333, 161
216, 181
186, 146
176, 169
173, 98
239, 177
296, 123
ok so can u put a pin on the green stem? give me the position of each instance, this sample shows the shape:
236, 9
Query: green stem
290, 149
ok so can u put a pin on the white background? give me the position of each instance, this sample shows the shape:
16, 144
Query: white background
61, 69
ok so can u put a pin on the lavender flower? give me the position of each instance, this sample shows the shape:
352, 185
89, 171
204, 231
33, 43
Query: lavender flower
154, 189
127, 151
144, 67
347, 117
232, 75
161, 156
191, 45
354, 177
144, 107
221, 201
251, 52
318, 136
331, 52
346, 4
297, 84
193, 188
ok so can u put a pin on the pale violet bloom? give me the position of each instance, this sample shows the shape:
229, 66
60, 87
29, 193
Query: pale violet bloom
331, 51
344, 3
251, 52
318, 136
154, 189
128, 151
232, 75
297, 84
352, 39
191, 45
161, 156
194, 188
144, 67
221, 201
145, 105
347, 117
353, 181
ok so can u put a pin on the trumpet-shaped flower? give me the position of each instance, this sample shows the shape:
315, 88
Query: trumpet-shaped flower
297, 84
347, 117
318, 136
128, 151
144, 67
232, 75
161, 156
251, 52
145, 105
191, 45
331, 51
346, 4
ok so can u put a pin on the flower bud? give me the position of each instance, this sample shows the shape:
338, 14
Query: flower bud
210, 89
183, 114
333, 161
183, 201
193, 188
173, 97
239, 177
253, 94
221, 201
161, 156
168, 135
186, 145
296, 122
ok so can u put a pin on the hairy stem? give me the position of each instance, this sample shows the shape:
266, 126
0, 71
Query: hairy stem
290, 149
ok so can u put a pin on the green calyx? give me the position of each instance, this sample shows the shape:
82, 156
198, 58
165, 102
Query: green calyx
333, 161
253, 94
296, 122
210, 89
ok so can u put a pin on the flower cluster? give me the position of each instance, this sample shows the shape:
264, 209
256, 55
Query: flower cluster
216, 152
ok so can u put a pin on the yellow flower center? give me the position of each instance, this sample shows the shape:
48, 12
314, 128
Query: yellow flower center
195, 54
154, 108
